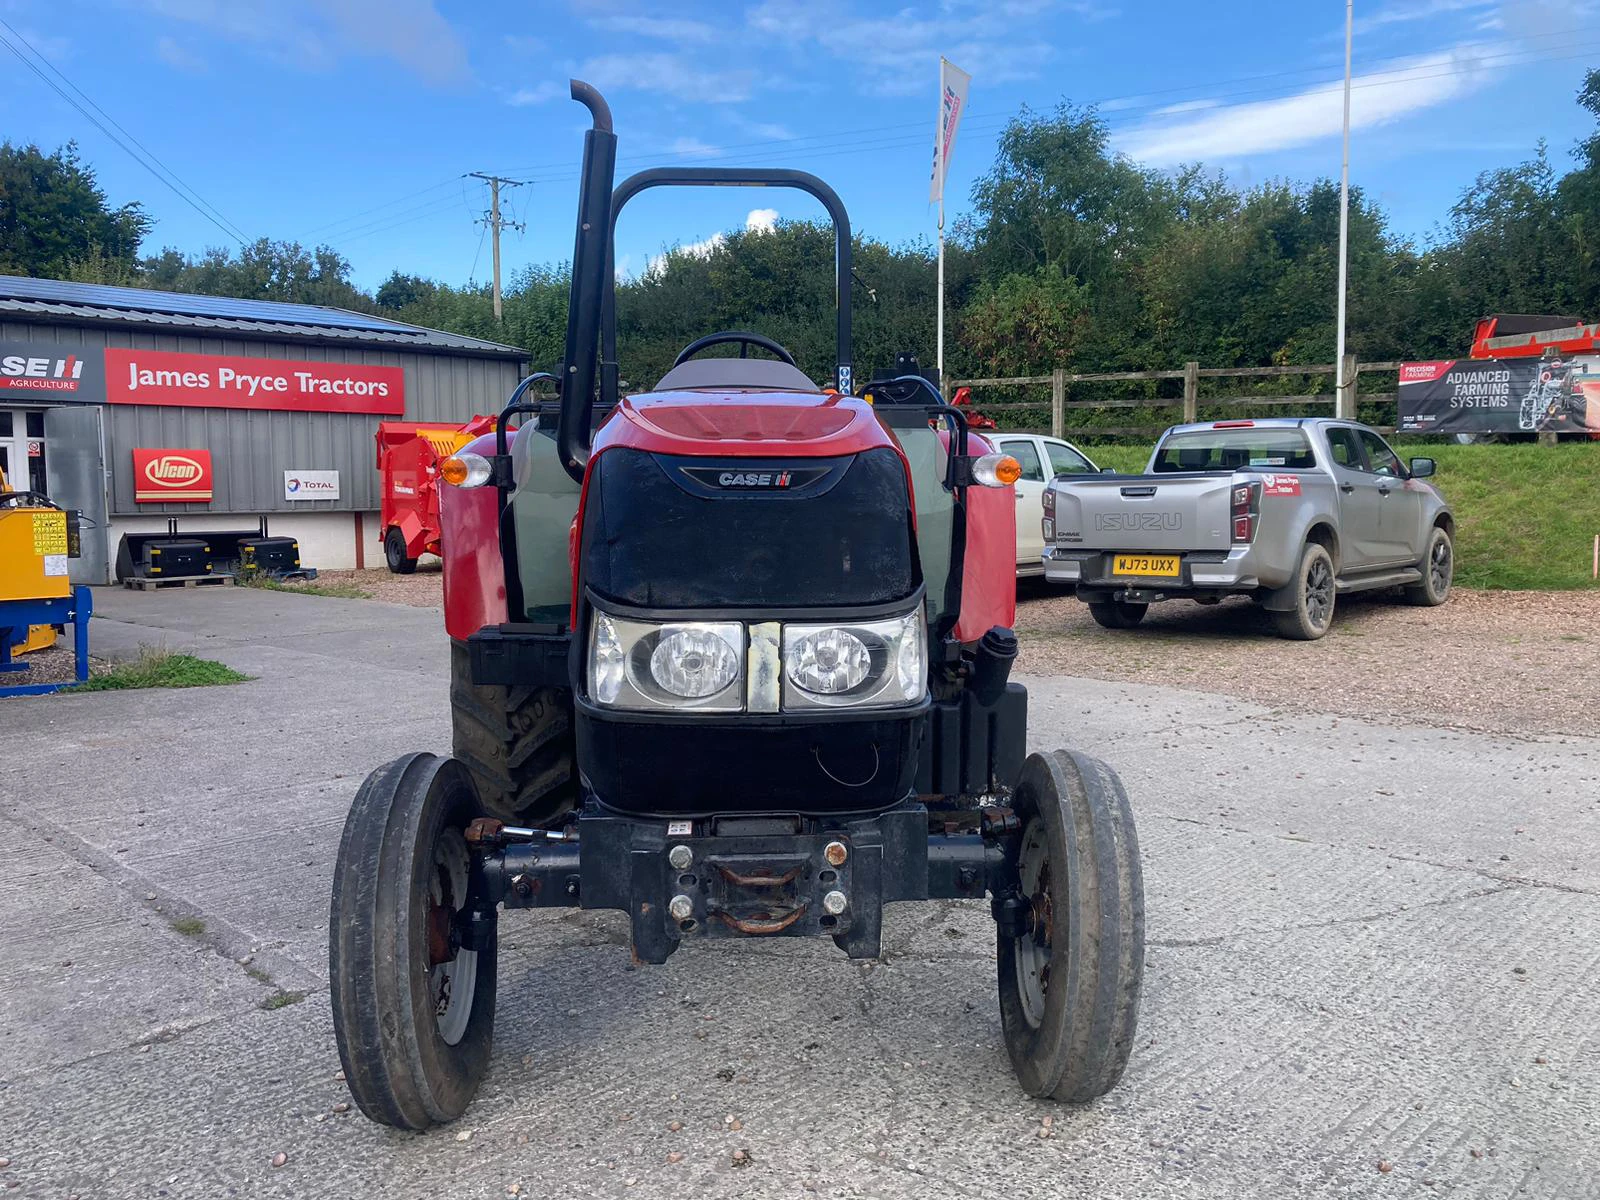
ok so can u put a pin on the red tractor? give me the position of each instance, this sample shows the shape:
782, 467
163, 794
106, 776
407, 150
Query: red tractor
736, 664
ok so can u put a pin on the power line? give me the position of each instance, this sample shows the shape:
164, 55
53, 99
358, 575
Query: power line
165, 174
385, 205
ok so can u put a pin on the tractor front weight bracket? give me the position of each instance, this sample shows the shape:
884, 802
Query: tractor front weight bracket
744, 876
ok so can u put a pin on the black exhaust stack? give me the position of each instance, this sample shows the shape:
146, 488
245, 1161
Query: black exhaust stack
590, 253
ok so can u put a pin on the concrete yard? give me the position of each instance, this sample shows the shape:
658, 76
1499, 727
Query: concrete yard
1374, 964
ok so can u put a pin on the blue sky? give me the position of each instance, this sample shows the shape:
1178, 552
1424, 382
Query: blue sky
354, 121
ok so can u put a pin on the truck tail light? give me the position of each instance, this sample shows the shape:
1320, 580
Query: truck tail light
1246, 511
1048, 525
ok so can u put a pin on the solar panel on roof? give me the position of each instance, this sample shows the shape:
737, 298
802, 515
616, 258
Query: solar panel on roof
22, 287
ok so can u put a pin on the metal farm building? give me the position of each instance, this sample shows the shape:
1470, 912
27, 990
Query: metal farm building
141, 407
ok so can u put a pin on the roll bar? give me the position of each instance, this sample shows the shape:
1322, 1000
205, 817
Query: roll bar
591, 256
591, 303
731, 177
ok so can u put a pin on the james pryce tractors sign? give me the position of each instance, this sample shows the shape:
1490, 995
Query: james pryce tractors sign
224, 381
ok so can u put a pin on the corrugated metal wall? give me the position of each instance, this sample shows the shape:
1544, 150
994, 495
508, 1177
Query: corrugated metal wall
251, 449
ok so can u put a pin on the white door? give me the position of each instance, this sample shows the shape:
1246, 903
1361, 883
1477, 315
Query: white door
22, 448
1030, 501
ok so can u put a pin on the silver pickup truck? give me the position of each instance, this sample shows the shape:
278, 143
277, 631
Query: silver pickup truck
1293, 512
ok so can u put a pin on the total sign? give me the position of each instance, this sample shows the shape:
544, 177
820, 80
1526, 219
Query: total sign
311, 485
172, 476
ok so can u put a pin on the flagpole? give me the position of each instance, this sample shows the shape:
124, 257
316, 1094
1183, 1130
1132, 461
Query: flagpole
1340, 402
938, 140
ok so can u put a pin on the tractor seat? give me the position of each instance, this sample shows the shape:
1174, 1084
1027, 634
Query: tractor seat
766, 374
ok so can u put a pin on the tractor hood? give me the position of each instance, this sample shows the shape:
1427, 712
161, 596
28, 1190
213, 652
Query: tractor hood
745, 424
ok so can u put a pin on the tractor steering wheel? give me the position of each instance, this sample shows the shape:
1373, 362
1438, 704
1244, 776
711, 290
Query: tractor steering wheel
743, 338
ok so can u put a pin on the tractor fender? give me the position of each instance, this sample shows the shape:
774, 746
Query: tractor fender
469, 543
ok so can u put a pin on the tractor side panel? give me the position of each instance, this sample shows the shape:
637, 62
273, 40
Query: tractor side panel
474, 575
989, 570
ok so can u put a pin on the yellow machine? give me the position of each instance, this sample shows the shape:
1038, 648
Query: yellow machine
33, 560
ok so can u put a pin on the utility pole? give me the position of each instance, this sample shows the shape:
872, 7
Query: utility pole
495, 223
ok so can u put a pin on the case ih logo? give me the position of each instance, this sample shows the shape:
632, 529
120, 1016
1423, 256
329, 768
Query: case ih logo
743, 479
171, 476
37, 373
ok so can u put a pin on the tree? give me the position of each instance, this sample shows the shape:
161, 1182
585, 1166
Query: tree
53, 213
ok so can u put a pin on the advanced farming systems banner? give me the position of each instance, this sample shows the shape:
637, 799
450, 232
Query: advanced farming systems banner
1546, 395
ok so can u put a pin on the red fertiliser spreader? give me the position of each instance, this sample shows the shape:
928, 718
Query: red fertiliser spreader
408, 458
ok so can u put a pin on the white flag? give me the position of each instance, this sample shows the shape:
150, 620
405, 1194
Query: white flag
953, 83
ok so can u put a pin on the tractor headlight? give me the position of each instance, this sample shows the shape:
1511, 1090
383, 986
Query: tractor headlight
688, 664
858, 664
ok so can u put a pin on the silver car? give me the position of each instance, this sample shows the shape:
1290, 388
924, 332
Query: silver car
1294, 512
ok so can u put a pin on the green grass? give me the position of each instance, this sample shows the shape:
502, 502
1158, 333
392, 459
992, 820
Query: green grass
338, 591
162, 669
1526, 515
282, 999
189, 926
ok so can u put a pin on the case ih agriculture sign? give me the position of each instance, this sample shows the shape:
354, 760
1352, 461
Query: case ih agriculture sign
38, 371
225, 381
172, 476
1549, 395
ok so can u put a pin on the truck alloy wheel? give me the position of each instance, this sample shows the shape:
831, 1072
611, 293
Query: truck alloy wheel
411, 947
1070, 978
1438, 568
1314, 591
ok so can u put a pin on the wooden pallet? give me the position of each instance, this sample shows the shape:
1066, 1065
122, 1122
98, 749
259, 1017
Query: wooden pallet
145, 584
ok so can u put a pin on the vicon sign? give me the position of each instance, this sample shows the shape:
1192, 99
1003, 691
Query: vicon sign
171, 476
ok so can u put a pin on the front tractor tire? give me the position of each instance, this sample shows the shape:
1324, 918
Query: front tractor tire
515, 741
411, 946
394, 553
1070, 980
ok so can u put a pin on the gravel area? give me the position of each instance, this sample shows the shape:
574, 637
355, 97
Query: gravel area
55, 665
1517, 662
425, 589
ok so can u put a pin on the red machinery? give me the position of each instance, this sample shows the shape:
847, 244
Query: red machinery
1519, 335
408, 458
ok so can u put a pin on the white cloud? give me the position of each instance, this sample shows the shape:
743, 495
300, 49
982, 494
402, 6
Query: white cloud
667, 29
539, 93
758, 220
315, 34
1418, 10
972, 38
1240, 130
1184, 106
679, 76
169, 51
688, 147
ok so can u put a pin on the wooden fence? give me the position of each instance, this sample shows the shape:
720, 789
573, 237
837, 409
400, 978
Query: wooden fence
1060, 381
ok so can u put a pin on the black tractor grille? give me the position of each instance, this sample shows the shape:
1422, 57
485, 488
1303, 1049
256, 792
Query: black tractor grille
673, 532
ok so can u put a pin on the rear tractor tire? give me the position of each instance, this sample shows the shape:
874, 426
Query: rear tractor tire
1314, 592
515, 742
1069, 985
411, 946
1117, 614
1438, 567
394, 552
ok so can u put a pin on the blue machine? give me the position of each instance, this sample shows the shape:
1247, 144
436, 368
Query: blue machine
15, 618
